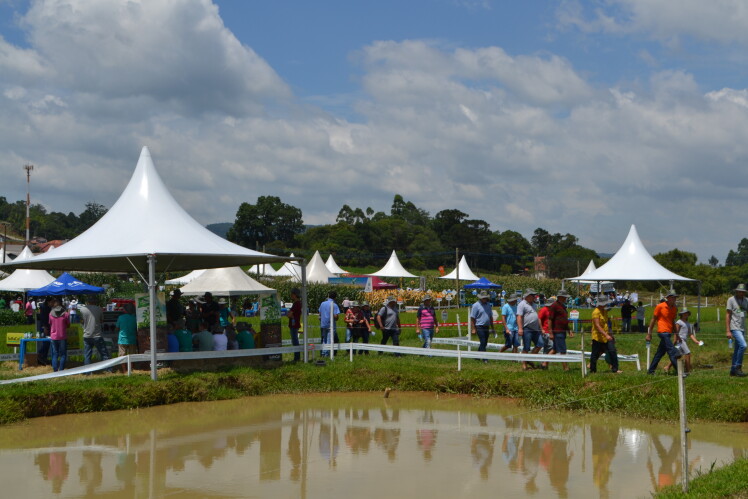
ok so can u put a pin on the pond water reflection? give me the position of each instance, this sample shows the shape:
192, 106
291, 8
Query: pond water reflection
410, 445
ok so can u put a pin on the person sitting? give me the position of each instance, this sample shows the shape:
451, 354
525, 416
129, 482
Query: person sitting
172, 343
220, 341
244, 337
204, 339
230, 332
184, 336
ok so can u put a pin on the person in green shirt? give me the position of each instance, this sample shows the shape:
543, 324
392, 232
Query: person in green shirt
244, 337
184, 336
204, 339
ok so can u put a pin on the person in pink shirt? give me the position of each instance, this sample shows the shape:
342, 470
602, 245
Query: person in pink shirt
59, 320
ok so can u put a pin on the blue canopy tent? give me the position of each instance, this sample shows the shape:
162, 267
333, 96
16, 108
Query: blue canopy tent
482, 283
66, 285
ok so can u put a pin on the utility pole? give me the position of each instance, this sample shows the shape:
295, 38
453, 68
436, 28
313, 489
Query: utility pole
29, 168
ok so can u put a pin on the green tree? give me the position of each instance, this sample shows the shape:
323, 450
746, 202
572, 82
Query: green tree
739, 257
265, 222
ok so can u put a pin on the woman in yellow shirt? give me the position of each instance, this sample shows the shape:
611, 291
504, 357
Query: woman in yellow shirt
602, 340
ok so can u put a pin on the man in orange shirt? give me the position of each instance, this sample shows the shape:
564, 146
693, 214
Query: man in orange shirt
664, 316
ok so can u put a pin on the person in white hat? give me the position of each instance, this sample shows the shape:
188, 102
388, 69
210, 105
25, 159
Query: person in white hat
735, 322
528, 326
664, 317
388, 320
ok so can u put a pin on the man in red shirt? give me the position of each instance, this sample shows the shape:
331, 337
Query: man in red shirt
559, 325
544, 316
664, 316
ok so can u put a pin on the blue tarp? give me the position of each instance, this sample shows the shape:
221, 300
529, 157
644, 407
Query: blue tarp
482, 283
66, 285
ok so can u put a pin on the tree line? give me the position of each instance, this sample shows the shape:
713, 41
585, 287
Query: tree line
48, 224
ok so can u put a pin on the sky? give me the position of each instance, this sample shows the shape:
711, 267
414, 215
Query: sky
579, 117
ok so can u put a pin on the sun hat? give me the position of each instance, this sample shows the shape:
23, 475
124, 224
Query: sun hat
684, 311
741, 287
529, 291
390, 299
483, 294
222, 301
176, 292
513, 297
671, 293
364, 303
603, 302
563, 293
426, 297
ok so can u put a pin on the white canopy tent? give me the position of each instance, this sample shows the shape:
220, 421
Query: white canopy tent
227, 281
263, 269
465, 273
185, 279
632, 262
147, 231
333, 267
23, 280
393, 268
290, 269
316, 271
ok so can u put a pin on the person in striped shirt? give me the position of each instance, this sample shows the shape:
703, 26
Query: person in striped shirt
427, 324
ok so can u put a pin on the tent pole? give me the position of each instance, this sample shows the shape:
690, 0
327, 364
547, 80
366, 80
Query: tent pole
152, 311
457, 275
698, 304
304, 309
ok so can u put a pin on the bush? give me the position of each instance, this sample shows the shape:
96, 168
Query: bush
10, 318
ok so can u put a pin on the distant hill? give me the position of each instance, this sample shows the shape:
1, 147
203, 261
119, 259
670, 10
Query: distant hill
220, 229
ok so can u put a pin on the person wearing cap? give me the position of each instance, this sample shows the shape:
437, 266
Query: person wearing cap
225, 316
388, 320
174, 308
294, 320
509, 314
358, 324
664, 317
328, 315
735, 322
683, 331
220, 340
627, 310
528, 326
426, 322
481, 320
559, 325
209, 311
602, 339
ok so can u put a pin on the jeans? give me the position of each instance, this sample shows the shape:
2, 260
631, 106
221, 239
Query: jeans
391, 333
626, 325
59, 354
665, 347
482, 332
529, 336
559, 342
641, 326
88, 346
511, 339
428, 335
361, 333
295, 341
598, 348
738, 339
326, 340
42, 351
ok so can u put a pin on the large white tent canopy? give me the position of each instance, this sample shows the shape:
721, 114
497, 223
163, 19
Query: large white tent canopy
316, 271
632, 262
147, 231
228, 281
263, 269
465, 273
22, 280
333, 267
185, 279
393, 268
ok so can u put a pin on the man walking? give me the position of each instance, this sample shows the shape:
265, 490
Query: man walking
664, 316
602, 339
93, 316
388, 320
735, 321
627, 310
559, 325
509, 313
328, 315
528, 326
481, 320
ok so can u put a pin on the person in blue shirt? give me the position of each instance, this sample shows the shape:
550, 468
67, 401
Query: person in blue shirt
328, 315
481, 320
509, 313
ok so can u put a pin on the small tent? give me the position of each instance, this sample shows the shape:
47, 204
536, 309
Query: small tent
23, 280
465, 273
228, 281
316, 271
393, 268
181, 281
290, 269
263, 269
482, 283
333, 267
66, 285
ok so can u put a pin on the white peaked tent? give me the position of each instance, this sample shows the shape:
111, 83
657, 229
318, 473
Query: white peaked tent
185, 279
23, 280
147, 231
228, 281
632, 262
264, 269
316, 271
290, 269
465, 273
333, 267
393, 268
